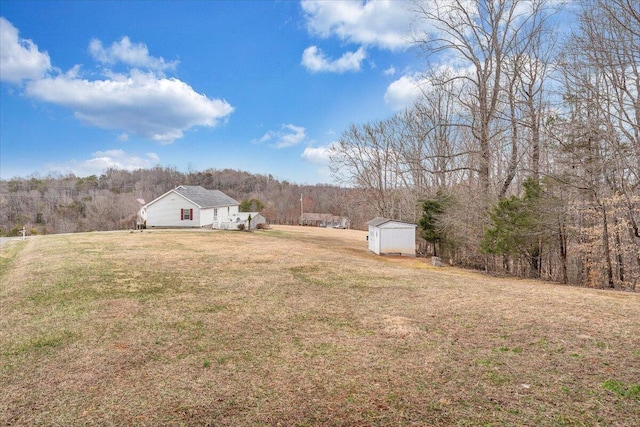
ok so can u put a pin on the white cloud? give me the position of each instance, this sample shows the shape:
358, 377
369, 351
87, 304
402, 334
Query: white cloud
390, 71
384, 23
267, 137
408, 89
314, 60
405, 91
317, 155
102, 160
20, 59
135, 102
155, 108
288, 136
132, 54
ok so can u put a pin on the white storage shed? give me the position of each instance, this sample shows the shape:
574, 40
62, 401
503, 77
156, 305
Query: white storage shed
390, 237
234, 221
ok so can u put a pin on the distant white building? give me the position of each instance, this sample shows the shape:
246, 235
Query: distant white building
390, 237
324, 220
188, 206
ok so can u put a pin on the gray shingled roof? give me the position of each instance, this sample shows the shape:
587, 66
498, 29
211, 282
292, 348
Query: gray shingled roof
205, 198
310, 216
378, 221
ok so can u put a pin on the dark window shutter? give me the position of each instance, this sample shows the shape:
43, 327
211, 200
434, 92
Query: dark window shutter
191, 214
181, 214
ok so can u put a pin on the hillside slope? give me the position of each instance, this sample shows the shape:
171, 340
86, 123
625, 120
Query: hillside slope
299, 326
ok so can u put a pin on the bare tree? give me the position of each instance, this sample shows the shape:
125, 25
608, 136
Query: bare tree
486, 36
603, 89
429, 136
365, 158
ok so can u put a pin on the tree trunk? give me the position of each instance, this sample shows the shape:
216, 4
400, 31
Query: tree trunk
605, 247
562, 240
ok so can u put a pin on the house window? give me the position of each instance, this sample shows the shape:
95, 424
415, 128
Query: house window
186, 214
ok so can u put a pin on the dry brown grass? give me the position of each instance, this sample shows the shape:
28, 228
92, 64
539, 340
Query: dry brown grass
299, 326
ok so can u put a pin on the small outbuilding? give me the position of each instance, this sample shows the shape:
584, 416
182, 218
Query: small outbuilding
233, 222
390, 237
256, 219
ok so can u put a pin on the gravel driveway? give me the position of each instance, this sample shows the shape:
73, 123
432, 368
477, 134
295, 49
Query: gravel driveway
4, 240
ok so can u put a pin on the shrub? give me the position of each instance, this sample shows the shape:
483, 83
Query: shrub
14, 232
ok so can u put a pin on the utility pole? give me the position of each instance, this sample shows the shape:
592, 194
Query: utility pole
301, 211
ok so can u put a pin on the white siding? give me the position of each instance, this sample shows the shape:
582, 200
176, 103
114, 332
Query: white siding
206, 217
374, 239
141, 218
165, 212
256, 218
234, 221
393, 238
398, 240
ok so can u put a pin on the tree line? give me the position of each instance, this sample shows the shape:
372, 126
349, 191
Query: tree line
68, 203
523, 157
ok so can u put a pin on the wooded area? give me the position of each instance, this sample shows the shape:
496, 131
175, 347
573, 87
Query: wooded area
63, 204
522, 157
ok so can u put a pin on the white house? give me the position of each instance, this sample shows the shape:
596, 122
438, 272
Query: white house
141, 218
388, 237
189, 206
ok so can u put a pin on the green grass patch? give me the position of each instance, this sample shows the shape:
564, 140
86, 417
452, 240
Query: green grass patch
8, 253
42, 343
622, 390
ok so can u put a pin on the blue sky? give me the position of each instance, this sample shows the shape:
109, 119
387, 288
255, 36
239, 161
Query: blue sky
259, 86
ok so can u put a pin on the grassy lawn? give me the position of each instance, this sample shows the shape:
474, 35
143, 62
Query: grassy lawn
299, 326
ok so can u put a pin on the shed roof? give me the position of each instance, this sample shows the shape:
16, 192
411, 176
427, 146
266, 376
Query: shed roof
245, 215
377, 222
205, 198
311, 216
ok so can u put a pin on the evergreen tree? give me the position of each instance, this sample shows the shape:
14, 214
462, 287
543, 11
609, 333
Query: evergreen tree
253, 205
430, 227
516, 227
